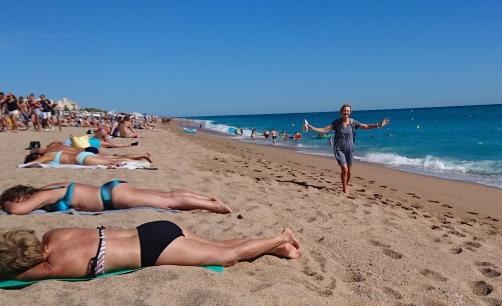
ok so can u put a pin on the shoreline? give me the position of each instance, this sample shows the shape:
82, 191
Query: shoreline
184, 122
463, 196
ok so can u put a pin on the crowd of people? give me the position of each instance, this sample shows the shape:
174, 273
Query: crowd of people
274, 135
43, 114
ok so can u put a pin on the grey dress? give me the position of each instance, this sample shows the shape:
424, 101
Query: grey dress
344, 140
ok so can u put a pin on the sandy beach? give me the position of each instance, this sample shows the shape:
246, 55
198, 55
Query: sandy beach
398, 239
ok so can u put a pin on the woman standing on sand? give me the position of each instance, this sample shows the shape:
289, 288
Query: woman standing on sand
344, 128
116, 194
79, 252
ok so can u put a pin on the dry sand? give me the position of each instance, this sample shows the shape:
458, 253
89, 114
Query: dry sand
398, 239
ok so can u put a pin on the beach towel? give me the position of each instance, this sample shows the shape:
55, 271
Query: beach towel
72, 211
18, 284
123, 165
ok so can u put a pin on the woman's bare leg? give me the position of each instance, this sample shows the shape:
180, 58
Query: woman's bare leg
193, 252
145, 156
285, 250
128, 196
181, 192
344, 177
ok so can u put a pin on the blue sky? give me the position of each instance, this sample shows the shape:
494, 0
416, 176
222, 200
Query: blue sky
188, 58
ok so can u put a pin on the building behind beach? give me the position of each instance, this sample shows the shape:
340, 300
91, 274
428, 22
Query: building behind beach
68, 105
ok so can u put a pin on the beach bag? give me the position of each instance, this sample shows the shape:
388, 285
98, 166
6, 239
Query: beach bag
80, 142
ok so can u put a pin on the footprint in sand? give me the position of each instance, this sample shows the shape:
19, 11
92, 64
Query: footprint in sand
480, 288
456, 250
492, 219
487, 269
378, 244
447, 206
472, 244
391, 292
465, 223
489, 272
392, 254
353, 277
472, 213
456, 233
433, 275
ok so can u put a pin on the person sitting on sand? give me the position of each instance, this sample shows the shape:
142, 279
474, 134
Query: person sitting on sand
100, 139
84, 158
125, 128
80, 252
116, 194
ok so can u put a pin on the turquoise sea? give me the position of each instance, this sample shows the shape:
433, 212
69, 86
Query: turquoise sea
462, 143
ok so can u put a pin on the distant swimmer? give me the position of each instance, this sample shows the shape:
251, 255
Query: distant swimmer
274, 135
297, 136
253, 133
343, 147
266, 134
285, 136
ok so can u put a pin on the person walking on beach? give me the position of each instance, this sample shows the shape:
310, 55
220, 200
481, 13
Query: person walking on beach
344, 128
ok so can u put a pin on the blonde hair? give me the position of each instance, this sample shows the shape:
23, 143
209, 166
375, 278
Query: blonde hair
344, 106
20, 249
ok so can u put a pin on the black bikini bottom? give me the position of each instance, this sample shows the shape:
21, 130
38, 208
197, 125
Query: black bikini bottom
154, 237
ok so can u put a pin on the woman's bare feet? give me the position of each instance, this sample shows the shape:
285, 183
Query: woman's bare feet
220, 206
288, 233
147, 157
286, 250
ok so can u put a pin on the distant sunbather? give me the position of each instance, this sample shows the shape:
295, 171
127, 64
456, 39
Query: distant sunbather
57, 146
116, 194
82, 158
79, 252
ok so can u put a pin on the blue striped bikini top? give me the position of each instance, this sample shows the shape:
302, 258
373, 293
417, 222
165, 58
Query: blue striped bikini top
65, 202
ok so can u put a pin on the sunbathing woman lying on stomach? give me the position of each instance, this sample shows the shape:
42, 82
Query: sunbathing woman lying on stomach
79, 252
57, 146
116, 194
82, 158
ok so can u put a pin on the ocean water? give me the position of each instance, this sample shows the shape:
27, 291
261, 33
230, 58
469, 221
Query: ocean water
462, 143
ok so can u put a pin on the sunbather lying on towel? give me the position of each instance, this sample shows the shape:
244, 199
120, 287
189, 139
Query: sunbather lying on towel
57, 146
116, 194
79, 252
82, 158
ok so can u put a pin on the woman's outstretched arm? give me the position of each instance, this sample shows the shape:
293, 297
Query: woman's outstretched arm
370, 126
323, 130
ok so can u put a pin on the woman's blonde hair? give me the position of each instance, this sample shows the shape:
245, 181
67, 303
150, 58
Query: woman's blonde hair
344, 106
20, 249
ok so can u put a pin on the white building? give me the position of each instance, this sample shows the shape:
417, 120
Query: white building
68, 104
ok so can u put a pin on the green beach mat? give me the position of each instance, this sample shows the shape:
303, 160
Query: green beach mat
18, 284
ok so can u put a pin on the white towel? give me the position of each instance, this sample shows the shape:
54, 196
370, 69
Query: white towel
122, 165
